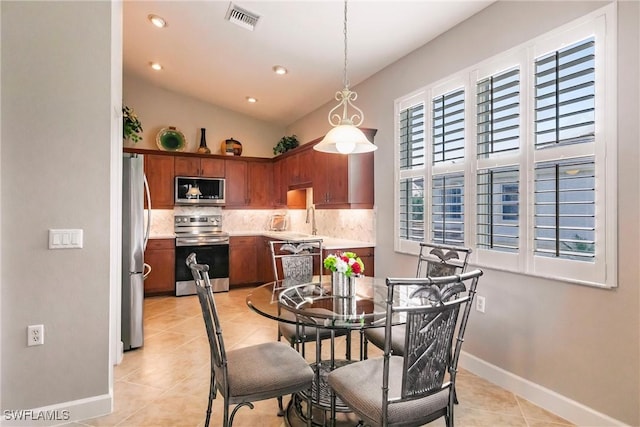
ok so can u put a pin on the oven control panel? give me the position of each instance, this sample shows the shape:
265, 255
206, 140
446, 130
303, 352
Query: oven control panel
197, 223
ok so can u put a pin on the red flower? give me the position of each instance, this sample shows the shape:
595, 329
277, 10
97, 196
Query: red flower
356, 268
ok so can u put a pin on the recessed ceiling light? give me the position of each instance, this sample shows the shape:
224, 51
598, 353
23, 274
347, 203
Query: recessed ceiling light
251, 100
158, 21
155, 66
279, 69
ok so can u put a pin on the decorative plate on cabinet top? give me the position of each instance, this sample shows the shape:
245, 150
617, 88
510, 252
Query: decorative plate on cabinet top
170, 139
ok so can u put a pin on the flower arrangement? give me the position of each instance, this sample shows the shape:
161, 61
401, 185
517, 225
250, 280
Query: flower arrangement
131, 125
347, 263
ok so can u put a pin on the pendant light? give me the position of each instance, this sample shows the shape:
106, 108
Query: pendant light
345, 137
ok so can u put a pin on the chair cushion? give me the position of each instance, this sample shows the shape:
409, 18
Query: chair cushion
293, 333
376, 337
359, 385
264, 371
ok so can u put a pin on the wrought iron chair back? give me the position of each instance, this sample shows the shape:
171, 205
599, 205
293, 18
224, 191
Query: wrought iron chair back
437, 260
434, 260
294, 261
266, 383
419, 387
200, 273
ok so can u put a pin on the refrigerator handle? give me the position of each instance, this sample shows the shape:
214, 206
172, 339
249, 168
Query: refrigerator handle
146, 233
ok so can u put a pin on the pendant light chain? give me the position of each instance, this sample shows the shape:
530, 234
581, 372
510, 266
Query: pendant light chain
345, 137
345, 79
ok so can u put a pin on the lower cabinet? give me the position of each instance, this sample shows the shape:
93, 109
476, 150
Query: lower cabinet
265, 262
243, 260
160, 255
367, 255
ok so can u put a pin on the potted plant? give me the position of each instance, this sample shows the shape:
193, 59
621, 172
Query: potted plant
285, 144
131, 125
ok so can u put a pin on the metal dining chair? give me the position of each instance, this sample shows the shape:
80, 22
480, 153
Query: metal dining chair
247, 374
294, 262
434, 260
419, 387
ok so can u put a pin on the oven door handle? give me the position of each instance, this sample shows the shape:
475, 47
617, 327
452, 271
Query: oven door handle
200, 242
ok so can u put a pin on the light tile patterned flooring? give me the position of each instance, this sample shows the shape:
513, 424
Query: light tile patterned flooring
166, 382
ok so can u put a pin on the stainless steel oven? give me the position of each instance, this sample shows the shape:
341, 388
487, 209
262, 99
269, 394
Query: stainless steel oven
203, 235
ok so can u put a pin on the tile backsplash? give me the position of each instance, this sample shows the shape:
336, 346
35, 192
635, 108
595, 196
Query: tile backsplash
351, 224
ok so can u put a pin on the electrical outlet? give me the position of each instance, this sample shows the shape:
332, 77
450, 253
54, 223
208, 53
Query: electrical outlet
480, 303
35, 335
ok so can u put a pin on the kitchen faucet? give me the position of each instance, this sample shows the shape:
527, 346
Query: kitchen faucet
314, 230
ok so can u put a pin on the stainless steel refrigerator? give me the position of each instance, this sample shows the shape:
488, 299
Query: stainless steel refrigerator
134, 239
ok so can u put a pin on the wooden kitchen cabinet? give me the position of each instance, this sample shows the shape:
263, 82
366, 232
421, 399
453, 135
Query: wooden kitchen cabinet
259, 182
282, 197
196, 166
236, 183
367, 255
265, 263
279, 193
243, 260
159, 171
305, 167
160, 255
344, 182
249, 184
298, 168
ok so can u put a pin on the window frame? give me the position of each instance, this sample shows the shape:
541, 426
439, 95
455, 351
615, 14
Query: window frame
603, 271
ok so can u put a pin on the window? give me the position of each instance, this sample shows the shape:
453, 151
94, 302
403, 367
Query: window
410, 214
565, 95
498, 209
448, 126
565, 209
412, 209
522, 151
412, 138
447, 219
498, 113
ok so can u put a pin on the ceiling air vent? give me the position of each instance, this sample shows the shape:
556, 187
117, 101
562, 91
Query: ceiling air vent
242, 17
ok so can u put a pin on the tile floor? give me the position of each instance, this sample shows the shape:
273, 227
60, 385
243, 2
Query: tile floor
166, 382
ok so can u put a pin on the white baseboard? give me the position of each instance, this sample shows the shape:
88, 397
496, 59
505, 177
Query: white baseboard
59, 414
573, 411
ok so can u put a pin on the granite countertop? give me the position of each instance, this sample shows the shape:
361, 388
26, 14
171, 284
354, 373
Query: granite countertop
327, 241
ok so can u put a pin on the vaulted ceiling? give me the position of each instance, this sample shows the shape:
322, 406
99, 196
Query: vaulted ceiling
208, 57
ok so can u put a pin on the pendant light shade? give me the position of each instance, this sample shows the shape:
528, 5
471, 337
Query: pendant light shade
345, 137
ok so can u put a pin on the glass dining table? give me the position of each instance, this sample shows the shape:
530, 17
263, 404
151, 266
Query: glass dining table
314, 303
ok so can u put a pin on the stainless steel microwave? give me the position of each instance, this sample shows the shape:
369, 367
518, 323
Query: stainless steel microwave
194, 190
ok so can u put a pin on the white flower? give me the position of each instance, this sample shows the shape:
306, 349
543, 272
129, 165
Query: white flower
341, 266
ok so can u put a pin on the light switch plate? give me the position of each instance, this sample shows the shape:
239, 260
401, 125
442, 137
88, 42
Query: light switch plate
70, 238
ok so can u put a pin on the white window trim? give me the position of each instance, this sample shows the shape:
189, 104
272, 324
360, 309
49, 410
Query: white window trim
601, 23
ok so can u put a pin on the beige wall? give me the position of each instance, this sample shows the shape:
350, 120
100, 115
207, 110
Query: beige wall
580, 342
158, 108
56, 144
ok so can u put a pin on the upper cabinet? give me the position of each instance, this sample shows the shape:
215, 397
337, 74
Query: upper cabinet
195, 166
248, 184
343, 182
159, 171
260, 184
236, 184
338, 181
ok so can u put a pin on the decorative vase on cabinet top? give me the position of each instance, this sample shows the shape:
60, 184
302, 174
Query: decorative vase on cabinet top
203, 149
